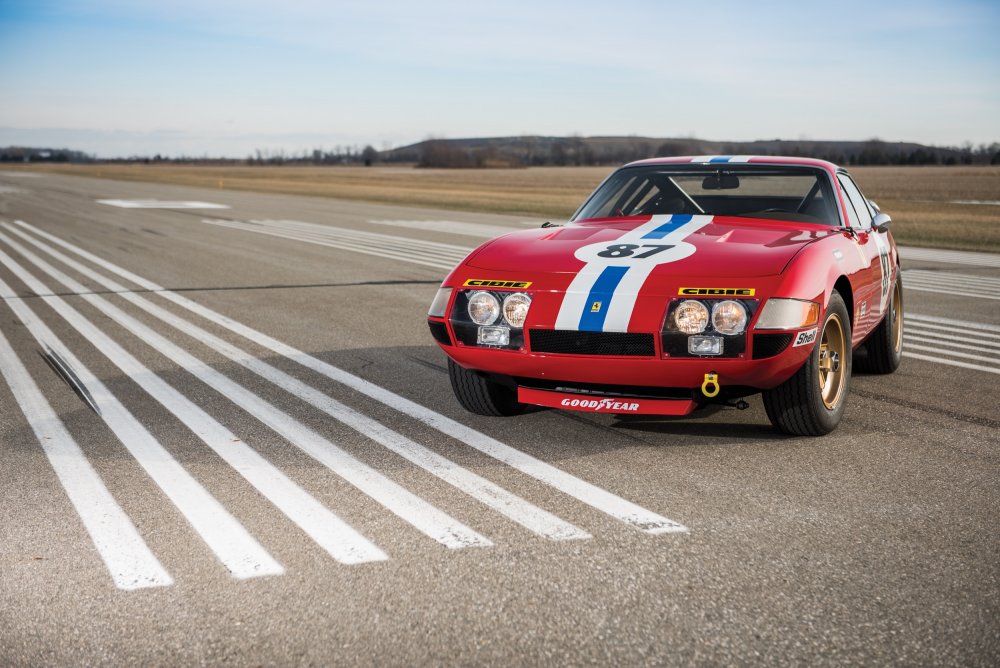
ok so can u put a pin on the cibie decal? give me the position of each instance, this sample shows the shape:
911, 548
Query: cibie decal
717, 292
600, 404
615, 271
485, 283
805, 338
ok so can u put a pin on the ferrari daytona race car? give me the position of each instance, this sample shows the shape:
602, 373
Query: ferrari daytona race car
682, 282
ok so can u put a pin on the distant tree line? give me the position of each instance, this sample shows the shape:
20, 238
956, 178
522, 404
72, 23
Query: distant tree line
25, 154
541, 151
533, 151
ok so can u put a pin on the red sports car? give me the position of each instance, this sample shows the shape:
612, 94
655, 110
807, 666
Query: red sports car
682, 282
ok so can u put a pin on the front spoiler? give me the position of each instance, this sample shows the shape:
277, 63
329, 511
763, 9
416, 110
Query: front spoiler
597, 404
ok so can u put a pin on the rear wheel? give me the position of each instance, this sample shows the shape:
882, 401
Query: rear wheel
885, 345
811, 402
480, 395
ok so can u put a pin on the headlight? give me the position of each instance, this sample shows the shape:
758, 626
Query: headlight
440, 303
729, 317
484, 308
788, 314
515, 309
691, 317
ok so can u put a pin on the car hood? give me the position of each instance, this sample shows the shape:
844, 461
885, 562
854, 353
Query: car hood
724, 247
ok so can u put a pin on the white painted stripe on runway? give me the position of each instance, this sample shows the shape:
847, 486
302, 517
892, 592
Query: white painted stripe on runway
331, 533
585, 492
950, 339
951, 352
950, 291
928, 327
963, 365
423, 516
950, 277
488, 493
127, 557
480, 230
159, 204
960, 324
950, 256
342, 245
428, 252
234, 546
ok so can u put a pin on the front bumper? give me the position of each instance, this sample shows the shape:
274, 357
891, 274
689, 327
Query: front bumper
656, 371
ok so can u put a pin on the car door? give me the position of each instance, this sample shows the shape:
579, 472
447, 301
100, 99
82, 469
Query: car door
871, 298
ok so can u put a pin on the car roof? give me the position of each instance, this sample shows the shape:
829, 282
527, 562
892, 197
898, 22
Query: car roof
739, 159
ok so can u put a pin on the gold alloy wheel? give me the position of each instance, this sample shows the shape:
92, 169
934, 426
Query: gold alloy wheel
897, 318
831, 375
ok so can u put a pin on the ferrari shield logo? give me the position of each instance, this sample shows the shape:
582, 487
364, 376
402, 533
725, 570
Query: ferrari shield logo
595, 307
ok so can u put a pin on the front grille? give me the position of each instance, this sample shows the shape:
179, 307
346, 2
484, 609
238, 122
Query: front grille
769, 345
592, 343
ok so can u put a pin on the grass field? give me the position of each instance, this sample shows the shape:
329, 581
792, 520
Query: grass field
921, 200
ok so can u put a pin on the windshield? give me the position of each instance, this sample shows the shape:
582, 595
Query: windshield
798, 194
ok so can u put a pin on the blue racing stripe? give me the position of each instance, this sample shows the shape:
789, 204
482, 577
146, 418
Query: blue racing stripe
722, 158
602, 292
671, 225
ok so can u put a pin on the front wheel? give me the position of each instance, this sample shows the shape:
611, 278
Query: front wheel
480, 395
811, 402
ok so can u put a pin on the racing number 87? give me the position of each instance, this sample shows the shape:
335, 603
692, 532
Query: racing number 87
628, 250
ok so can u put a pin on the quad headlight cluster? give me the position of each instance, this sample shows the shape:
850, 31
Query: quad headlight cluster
491, 318
707, 327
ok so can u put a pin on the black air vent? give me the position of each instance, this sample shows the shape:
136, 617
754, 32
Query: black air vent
592, 343
769, 345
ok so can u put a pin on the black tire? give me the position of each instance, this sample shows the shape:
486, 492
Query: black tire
801, 406
884, 346
481, 396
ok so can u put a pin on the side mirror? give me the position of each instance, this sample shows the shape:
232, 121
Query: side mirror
881, 222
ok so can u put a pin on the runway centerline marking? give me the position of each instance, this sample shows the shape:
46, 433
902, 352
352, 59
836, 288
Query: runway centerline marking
159, 204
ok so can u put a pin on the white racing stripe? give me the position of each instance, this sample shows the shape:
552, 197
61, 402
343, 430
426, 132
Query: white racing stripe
233, 545
602, 295
423, 516
393, 247
129, 560
509, 505
330, 532
585, 492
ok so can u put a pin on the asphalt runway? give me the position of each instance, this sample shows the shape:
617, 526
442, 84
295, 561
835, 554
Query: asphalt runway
263, 463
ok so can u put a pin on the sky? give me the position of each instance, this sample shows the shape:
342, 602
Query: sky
228, 77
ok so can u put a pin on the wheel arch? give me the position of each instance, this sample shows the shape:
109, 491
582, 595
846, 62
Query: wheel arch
843, 286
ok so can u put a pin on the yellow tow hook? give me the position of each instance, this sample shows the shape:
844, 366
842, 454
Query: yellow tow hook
710, 387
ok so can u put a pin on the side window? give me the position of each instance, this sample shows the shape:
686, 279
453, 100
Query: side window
863, 215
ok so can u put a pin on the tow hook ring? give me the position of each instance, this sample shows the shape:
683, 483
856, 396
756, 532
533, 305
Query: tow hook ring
710, 386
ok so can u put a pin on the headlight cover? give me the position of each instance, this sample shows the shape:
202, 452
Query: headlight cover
780, 313
729, 317
484, 308
515, 309
440, 303
691, 317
